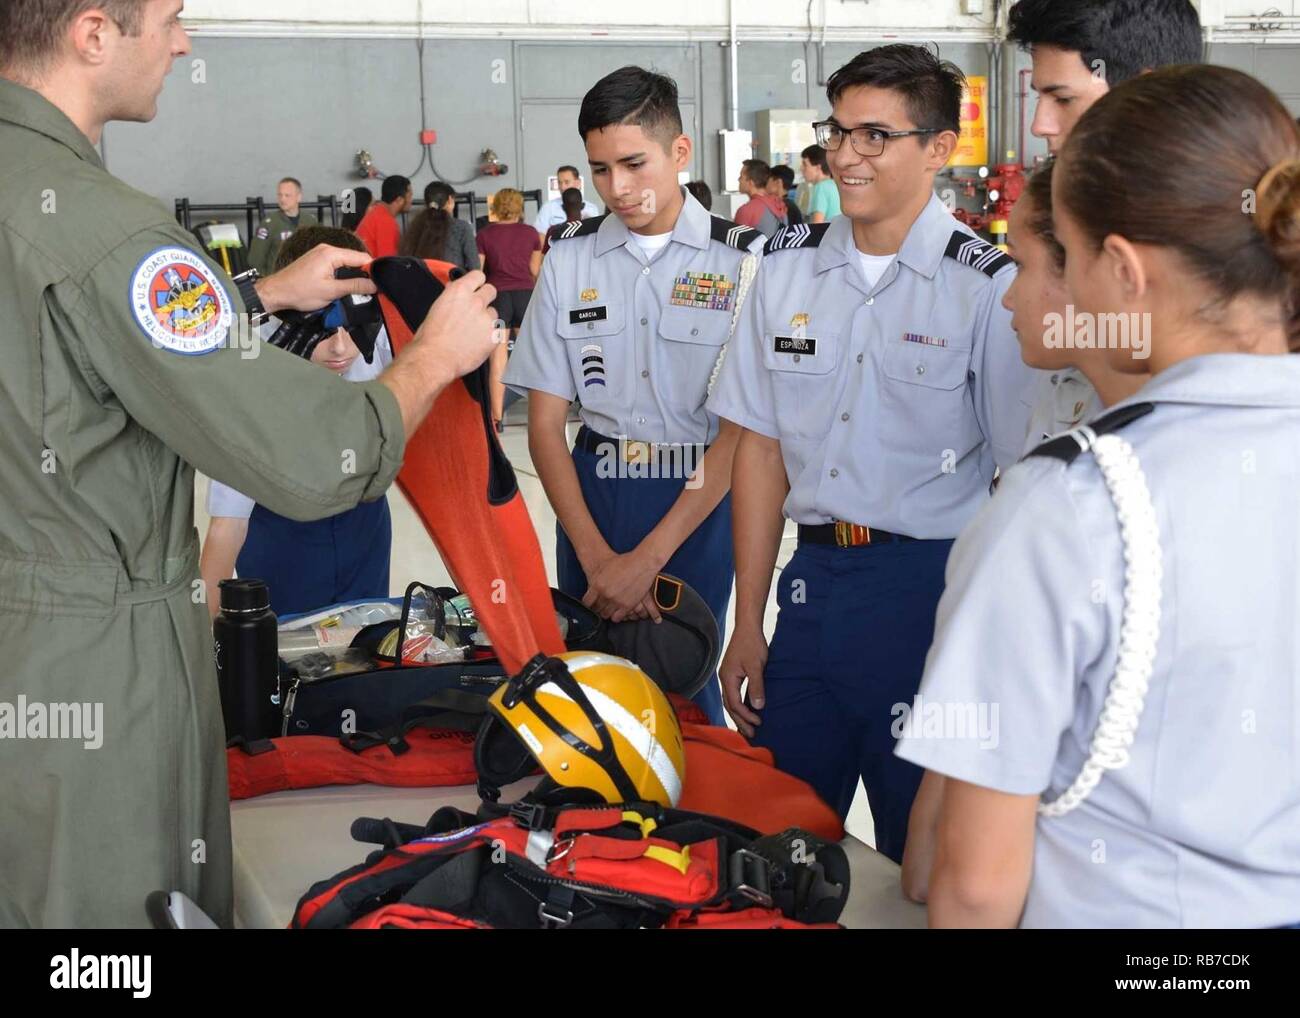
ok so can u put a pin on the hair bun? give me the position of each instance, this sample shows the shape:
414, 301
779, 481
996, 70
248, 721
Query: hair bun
1278, 209
1278, 205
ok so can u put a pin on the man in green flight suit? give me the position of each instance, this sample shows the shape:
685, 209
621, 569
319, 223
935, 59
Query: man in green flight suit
279, 226
125, 369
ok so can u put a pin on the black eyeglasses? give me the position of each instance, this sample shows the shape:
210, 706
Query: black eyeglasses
866, 141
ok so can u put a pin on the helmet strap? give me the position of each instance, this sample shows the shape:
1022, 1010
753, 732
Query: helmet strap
542, 670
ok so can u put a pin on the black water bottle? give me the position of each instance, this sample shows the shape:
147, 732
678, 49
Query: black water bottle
244, 640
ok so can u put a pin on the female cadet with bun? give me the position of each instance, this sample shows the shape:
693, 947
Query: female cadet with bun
1038, 300
1147, 560
1042, 315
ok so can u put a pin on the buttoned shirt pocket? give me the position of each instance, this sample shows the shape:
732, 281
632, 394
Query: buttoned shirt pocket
925, 403
599, 351
693, 340
931, 367
803, 382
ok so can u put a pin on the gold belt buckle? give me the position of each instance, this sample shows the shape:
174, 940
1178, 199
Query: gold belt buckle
851, 535
637, 452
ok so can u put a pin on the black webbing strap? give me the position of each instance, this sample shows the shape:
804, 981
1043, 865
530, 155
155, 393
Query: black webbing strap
359, 897
452, 709
451, 887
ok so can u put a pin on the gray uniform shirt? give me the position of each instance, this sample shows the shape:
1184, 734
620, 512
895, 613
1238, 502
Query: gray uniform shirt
1202, 828
635, 342
1063, 400
893, 403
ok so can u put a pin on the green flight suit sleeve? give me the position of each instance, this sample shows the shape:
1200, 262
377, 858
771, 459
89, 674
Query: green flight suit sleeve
287, 433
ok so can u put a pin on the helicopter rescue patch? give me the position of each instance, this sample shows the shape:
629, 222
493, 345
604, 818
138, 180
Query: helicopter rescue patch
179, 303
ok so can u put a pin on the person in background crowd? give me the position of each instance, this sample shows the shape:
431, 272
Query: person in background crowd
552, 213
1123, 598
702, 193
379, 230
511, 255
573, 205
314, 563
361, 199
278, 227
438, 234
779, 185
762, 212
824, 198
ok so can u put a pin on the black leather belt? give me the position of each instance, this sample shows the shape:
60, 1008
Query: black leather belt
632, 451
848, 535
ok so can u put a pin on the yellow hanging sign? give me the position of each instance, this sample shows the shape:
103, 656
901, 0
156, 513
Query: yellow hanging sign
973, 145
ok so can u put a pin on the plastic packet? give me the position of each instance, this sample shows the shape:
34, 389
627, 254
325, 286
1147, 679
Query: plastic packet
420, 646
321, 664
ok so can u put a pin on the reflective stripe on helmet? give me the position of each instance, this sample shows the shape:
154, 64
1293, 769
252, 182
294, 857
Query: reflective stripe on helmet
638, 736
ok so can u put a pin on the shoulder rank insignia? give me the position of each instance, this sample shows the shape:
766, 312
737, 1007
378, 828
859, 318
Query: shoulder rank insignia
803, 235
731, 234
978, 254
1067, 447
577, 229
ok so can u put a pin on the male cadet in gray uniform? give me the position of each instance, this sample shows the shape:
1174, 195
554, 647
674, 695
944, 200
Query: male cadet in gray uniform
631, 315
1081, 49
1146, 561
123, 367
278, 227
879, 385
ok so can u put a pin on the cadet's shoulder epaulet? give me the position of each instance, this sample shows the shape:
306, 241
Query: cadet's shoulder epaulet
579, 228
731, 234
1068, 446
790, 237
978, 254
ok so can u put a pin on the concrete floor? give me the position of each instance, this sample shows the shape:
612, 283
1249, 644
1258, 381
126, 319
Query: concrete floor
415, 557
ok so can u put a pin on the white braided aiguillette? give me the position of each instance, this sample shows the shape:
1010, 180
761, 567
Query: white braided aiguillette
748, 269
1140, 622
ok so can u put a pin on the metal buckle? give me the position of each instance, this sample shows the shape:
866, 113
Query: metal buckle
637, 452
559, 850
553, 920
845, 534
750, 874
290, 699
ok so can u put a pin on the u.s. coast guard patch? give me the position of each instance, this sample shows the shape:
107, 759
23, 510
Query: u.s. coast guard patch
179, 303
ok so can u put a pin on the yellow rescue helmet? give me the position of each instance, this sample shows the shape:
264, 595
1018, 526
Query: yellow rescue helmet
598, 723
